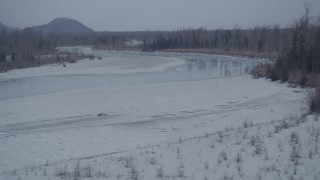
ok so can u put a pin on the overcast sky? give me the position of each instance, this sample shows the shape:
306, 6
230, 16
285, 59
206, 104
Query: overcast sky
122, 15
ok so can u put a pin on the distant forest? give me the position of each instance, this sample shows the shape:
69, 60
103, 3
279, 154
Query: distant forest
270, 39
296, 48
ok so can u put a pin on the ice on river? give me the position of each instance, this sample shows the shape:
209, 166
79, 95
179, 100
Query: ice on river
128, 100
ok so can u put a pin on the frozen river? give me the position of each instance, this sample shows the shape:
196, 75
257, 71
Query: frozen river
127, 100
124, 68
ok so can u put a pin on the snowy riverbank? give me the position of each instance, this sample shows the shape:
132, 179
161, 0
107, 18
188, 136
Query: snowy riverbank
231, 127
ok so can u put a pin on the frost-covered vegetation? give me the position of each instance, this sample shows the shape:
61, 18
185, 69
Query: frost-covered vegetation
282, 149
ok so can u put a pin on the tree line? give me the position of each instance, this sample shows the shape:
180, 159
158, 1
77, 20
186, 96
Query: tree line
297, 47
299, 60
302, 55
258, 39
27, 48
24, 45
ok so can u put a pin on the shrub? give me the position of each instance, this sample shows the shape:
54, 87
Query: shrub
160, 172
238, 158
261, 70
247, 124
274, 74
153, 160
220, 136
134, 173
304, 80
314, 99
223, 155
180, 170
295, 155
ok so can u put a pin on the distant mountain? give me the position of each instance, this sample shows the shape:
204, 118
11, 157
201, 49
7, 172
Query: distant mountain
63, 25
2, 26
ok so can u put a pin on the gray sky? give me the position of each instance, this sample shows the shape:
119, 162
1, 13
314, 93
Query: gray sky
121, 15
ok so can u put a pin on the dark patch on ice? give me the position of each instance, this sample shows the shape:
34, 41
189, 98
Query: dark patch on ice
157, 116
224, 116
187, 112
222, 105
232, 102
163, 116
169, 114
194, 111
102, 114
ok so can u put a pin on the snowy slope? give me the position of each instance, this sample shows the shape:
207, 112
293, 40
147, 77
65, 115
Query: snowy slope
168, 130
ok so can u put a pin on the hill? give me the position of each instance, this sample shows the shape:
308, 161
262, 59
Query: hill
2, 26
63, 25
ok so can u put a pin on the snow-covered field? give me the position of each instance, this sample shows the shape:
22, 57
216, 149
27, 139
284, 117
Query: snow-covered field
133, 116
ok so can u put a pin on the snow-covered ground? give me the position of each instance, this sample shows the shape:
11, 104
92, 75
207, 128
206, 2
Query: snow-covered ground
207, 127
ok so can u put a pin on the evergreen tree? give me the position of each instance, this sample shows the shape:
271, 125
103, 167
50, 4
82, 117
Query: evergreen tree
3, 56
13, 57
